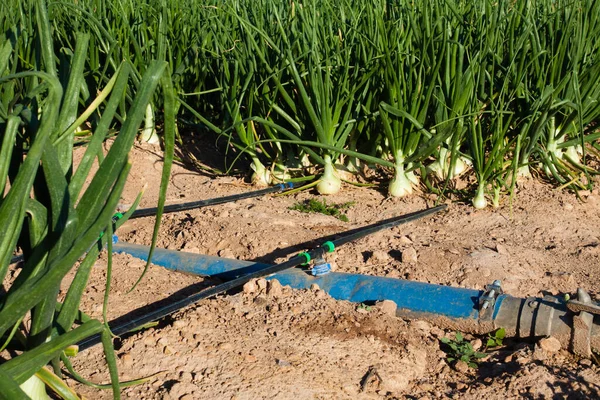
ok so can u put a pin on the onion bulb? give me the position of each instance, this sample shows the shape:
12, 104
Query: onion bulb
261, 176
330, 182
479, 201
402, 183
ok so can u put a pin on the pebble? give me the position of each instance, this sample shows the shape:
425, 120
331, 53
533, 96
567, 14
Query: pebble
550, 345
187, 396
405, 240
180, 323
379, 257
477, 344
585, 362
501, 249
409, 255
226, 253
274, 288
225, 346
186, 377
127, 359
283, 363
388, 307
314, 287
461, 366
250, 358
168, 350
250, 287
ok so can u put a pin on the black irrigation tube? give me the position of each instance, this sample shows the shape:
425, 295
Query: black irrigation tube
146, 212
299, 259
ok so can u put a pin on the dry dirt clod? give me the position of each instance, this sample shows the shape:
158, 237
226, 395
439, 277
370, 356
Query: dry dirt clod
379, 257
477, 344
250, 287
585, 362
226, 253
550, 345
262, 284
260, 300
274, 288
461, 366
422, 326
388, 307
409, 255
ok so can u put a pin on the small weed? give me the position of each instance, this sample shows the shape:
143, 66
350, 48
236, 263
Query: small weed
365, 307
495, 339
461, 350
321, 207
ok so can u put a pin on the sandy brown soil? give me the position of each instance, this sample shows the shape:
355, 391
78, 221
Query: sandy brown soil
292, 344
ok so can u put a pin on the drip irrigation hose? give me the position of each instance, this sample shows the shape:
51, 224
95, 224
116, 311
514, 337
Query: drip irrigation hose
145, 212
299, 259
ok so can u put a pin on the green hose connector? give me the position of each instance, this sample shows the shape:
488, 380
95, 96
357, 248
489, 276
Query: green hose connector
306, 256
329, 246
114, 219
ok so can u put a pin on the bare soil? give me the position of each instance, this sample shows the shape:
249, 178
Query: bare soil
301, 344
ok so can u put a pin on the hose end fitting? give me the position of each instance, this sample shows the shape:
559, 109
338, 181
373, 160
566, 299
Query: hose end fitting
321, 268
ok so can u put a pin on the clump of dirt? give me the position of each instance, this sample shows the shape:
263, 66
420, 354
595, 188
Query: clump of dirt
273, 342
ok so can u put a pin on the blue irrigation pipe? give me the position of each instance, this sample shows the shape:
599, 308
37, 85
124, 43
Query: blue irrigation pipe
460, 309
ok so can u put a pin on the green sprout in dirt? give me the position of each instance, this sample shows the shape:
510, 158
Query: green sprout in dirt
461, 350
495, 339
321, 207
365, 307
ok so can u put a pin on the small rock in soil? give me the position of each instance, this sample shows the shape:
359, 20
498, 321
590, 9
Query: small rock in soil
283, 363
274, 288
550, 345
379, 257
585, 363
226, 253
387, 307
477, 344
405, 240
250, 287
461, 366
501, 249
409, 255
